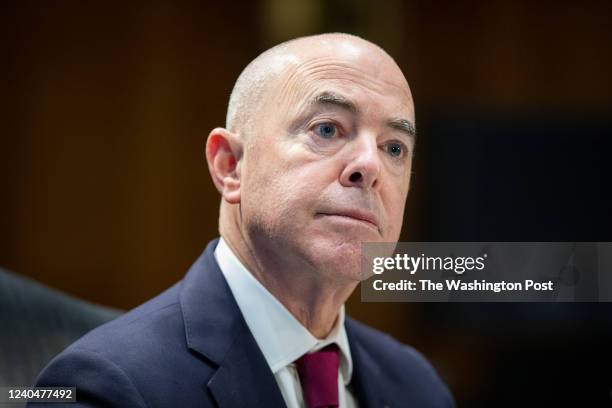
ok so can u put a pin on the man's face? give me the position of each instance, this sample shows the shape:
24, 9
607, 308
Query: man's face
328, 164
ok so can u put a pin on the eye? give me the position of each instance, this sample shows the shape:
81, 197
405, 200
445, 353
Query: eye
395, 149
326, 130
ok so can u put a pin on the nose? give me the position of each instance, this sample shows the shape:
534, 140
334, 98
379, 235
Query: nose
363, 165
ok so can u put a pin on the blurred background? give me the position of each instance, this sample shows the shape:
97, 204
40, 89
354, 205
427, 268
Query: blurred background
105, 194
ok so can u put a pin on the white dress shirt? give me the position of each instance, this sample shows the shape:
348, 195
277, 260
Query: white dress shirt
280, 336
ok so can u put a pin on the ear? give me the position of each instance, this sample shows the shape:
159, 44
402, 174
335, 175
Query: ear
223, 154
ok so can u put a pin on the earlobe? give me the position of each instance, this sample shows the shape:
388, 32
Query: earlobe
231, 190
223, 153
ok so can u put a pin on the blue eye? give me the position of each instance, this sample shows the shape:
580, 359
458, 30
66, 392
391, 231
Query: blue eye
326, 130
395, 149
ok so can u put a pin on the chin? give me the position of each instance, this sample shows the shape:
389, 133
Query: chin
339, 258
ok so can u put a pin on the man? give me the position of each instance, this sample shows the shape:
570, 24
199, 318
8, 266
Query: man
315, 159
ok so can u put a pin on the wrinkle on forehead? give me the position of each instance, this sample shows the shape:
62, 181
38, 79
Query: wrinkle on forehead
351, 80
335, 69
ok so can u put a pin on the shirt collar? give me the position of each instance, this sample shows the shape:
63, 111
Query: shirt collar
280, 336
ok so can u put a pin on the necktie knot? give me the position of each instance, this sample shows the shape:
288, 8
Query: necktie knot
318, 373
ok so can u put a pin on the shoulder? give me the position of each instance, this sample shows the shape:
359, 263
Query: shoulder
147, 327
402, 366
98, 380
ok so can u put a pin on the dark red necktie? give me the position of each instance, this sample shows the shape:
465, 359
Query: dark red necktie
319, 377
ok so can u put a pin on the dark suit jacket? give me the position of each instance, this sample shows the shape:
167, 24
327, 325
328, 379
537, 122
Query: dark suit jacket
190, 347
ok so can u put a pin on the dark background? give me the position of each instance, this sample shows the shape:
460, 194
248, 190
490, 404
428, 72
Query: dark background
105, 192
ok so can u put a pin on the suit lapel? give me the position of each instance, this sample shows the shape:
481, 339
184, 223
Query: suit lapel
366, 382
215, 328
244, 378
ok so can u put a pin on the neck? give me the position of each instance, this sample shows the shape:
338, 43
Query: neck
311, 298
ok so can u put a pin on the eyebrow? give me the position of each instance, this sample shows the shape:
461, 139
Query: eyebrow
333, 99
403, 125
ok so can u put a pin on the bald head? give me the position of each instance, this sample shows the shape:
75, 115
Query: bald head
273, 66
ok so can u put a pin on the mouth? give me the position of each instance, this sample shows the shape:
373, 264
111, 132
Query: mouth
362, 217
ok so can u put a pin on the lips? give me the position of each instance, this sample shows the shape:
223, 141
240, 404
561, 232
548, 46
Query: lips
358, 215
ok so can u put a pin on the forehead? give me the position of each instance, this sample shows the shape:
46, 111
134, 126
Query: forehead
369, 78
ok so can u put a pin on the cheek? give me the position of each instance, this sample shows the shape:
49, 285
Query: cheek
396, 202
300, 175
397, 225
283, 184
278, 199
